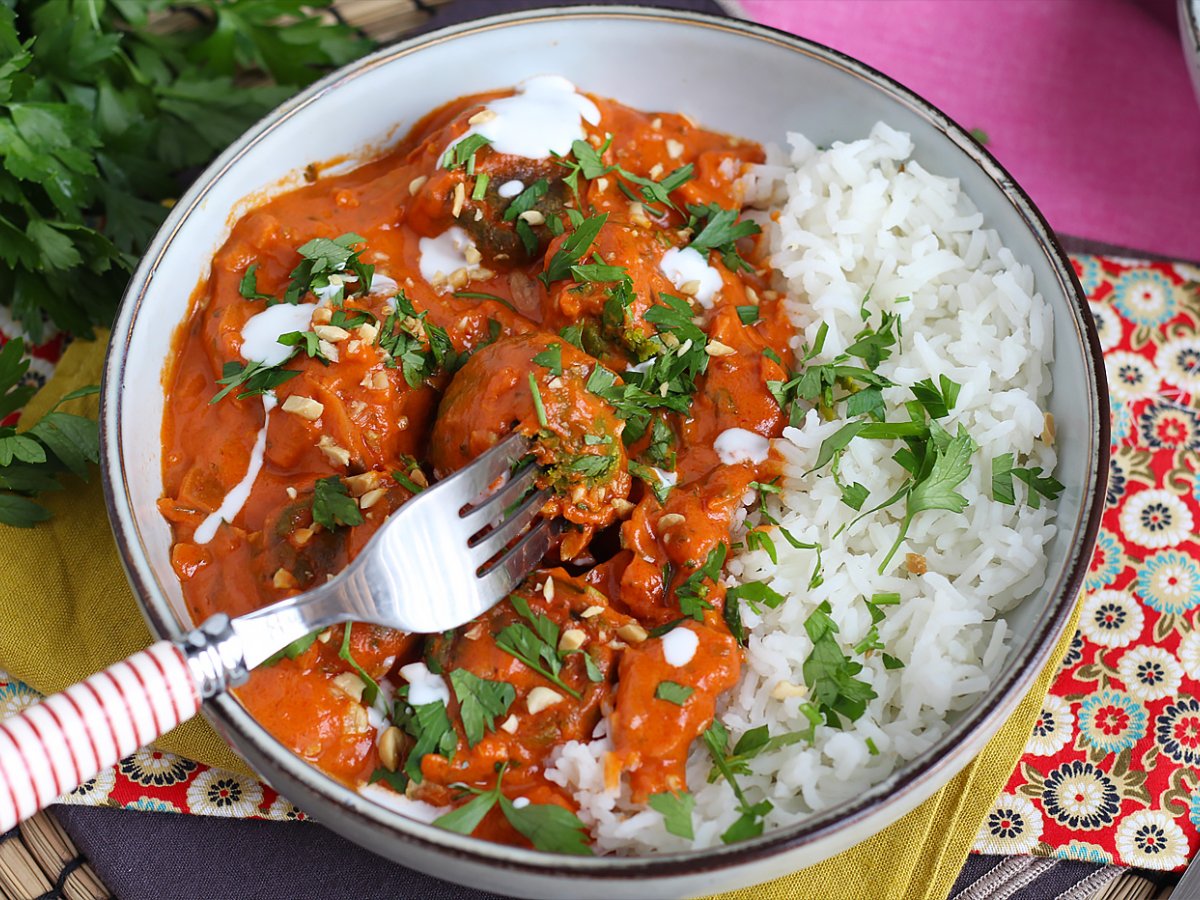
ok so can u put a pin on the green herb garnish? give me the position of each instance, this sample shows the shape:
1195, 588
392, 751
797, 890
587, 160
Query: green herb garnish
673, 692
480, 702
548, 826
830, 673
535, 644
1040, 484
332, 505
676, 810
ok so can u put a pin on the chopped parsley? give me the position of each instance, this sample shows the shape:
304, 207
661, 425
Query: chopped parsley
660, 487
830, 673
415, 345
254, 379
572, 249
480, 702
752, 593
676, 810
548, 826
1040, 484
588, 163
673, 692
751, 819
721, 232
370, 685
430, 726
322, 258
293, 650
692, 592
462, 154
332, 505
538, 406
551, 358
535, 644
526, 200
248, 286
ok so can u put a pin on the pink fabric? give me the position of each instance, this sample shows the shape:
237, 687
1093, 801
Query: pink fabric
1088, 105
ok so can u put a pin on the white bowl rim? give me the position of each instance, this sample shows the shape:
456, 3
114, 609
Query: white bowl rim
287, 769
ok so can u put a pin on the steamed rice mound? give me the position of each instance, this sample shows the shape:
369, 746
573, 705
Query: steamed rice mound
856, 218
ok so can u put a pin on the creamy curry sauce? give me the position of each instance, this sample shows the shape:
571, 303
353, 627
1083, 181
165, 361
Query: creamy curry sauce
648, 483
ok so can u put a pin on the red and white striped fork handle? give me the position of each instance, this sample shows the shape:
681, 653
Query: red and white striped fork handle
60, 743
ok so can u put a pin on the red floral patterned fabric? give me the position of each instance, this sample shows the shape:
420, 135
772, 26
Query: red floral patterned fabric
1111, 773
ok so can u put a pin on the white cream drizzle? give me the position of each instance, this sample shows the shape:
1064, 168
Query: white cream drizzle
260, 334
510, 189
679, 646
689, 265
424, 686
237, 497
520, 803
544, 116
737, 445
445, 254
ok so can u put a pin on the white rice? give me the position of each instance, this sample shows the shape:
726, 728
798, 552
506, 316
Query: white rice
856, 217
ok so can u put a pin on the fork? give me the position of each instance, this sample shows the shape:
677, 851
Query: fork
446, 556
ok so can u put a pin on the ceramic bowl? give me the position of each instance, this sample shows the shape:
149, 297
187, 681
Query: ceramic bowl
1189, 34
732, 76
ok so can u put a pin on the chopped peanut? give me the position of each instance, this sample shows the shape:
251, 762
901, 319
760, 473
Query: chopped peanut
572, 639
350, 684
541, 698
632, 632
304, 407
339, 456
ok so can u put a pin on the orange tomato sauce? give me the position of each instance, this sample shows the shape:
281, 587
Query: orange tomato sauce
626, 556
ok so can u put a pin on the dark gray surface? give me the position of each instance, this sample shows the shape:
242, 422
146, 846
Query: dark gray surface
167, 856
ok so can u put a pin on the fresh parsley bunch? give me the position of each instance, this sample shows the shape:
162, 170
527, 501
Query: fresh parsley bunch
106, 108
31, 461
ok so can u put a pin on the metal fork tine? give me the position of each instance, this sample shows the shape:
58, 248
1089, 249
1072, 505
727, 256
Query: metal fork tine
512, 568
497, 539
480, 475
493, 508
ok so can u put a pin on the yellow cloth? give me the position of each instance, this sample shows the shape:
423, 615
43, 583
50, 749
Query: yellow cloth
67, 609
68, 612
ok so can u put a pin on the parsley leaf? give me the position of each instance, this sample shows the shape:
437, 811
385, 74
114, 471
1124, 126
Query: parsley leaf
1039, 484
721, 232
332, 505
551, 358
673, 692
462, 154
31, 462
431, 727
480, 702
676, 810
572, 249
254, 378
548, 826
293, 650
527, 199
536, 646
692, 592
322, 261
830, 674
750, 822
248, 286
